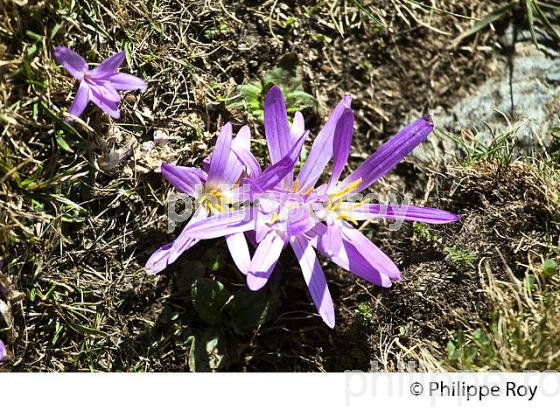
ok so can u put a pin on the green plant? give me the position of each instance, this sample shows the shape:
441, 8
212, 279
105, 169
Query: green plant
549, 268
500, 148
460, 256
225, 317
534, 9
365, 312
251, 96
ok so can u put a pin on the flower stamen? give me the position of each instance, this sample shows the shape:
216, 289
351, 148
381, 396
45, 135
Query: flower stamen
348, 189
296, 186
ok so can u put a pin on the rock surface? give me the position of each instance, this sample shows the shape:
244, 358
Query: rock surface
524, 99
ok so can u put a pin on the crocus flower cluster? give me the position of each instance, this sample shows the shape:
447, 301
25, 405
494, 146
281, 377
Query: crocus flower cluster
274, 209
99, 85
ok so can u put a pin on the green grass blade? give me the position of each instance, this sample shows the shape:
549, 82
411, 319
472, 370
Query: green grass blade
530, 18
546, 21
486, 21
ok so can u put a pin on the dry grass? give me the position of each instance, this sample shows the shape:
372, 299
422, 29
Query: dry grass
82, 206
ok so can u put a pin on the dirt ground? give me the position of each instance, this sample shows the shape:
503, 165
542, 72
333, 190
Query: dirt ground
79, 218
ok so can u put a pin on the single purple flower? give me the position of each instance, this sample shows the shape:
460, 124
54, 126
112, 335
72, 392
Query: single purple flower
217, 188
213, 191
99, 85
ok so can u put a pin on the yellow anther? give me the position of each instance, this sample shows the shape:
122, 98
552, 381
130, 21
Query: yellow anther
216, 193
308, 191
296, 186
211, 206
334, 206
348, 189
347, 218
274, 218
359, 204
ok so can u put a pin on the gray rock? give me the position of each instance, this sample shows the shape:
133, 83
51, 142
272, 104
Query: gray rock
524, 98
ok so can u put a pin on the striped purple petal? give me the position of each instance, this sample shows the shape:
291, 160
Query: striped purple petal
128, 82
403, 212
276, 126
341, 144
71, 61
185, 179
264, 260
109, 66
3, 352
314, 278
390, 153
222, 224
81, 100
322, 148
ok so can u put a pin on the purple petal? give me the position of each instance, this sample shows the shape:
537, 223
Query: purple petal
206, 163
371, 253
184, 241
224, 167
158, 260
239, 194
299, 220
331, 241
341, 144
322, 148
129, 82
239, 250
252, 238
3, 353
402, 212
167, 254
81, 100
72, 62
349, 258
223, 224
104, 90
264, 260
276, 126
108, 106
315, 278
241, 146
109, 66
275, 173
390, 154
185, 179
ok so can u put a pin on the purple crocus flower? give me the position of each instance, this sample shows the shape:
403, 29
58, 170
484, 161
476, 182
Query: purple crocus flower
217, 188
3, 353
213, 191
290, 212
99, 85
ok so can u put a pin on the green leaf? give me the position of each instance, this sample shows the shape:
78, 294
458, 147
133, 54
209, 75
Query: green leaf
185, 278
214, 259
250, 309
549, 268
209, 297
546, 22
452, 352
63, 144
206, 351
